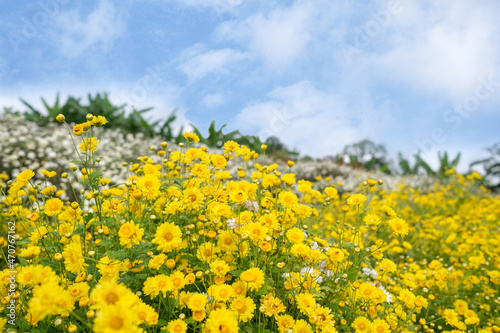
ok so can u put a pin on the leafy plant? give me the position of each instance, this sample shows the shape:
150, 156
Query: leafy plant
491, 166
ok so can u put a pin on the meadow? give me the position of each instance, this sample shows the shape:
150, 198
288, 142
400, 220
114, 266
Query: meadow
124, 233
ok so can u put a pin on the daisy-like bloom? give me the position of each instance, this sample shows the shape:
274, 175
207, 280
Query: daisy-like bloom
255, 231
49, 190
111, 293
221, 292
295, 235
193, 198
222, 321
226, 241
380, 326
191, 137
154, 285
50, 299
109, 268
272, 306
239, 288
178, 280
399, 226
362, 325
130, 234
288, 199
285, 322
168, 236
197, 302
79, 290
218, 161
230, 146
371, 219
245, 308
149, 185
388, 265
116, 319
254, 277
98, 121
73, 256
48, 174
301, 326
335, 254
177, 326
207, 252
53, 207
356, 200
157, 261
38, 233
30, 252
78, 129
146, 314
25, 176
219, 267
89, 144
305, 303
288, 178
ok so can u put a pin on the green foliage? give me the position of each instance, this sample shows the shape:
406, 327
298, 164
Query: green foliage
367, 155
216, 138
491, 166
75, 111
420, 164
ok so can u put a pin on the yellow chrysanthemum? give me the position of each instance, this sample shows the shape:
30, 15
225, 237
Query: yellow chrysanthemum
168, 236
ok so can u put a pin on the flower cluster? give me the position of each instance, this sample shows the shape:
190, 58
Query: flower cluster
185, 245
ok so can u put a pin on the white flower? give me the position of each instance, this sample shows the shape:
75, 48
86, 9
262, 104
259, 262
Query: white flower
370, 272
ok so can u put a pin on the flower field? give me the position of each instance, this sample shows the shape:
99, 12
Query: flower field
186, 239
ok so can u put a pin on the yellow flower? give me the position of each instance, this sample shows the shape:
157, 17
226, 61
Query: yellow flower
25, 176
49, 190
89, 144
130, 234
222, 321
78, 129
197, 302
73, 256
157, 261
168, 236
356, 199
48, 174
301, 326
245, 308
177, 326
111, 293
38, 233
60, 118
219, 267
98, 121
380, 326
399, 226
362, 325
253, 277
191, 137
154, 285
285, 322
30, 252
117, 319
218, 161
288, 178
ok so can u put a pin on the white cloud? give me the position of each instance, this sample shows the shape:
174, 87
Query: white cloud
314, 121
100, 28
282, 35
214, 100
198, 63
439, 47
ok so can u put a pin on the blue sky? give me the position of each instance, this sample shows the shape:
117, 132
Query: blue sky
317, 74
